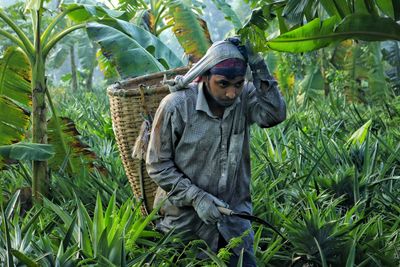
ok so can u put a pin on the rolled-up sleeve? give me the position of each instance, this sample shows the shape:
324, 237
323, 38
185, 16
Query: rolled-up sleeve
160, 157
266, 106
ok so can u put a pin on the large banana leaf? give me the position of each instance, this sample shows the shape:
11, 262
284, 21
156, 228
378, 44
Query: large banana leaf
15, 96
27, 151
148, 41
317, 34
130, 58
313, 35
13, 123
78, 153
190, 30
84, 13
15, 77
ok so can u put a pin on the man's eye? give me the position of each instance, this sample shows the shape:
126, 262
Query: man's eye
239, 85
223, 84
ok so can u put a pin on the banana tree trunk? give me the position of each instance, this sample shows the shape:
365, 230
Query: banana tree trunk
89, 78
74, 76
40, 179
40, 172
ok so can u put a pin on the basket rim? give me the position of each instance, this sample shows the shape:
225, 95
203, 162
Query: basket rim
136, 81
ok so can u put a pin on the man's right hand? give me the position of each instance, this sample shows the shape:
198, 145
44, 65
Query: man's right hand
206, 205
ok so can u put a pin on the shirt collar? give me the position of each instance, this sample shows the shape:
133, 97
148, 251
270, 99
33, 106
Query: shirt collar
202, 103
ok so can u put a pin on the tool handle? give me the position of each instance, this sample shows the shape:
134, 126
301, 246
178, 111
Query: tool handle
225, 211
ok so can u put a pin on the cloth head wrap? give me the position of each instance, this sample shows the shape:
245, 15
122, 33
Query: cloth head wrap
218, 52
230, 68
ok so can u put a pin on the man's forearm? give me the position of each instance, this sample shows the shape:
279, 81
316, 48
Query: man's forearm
180, 189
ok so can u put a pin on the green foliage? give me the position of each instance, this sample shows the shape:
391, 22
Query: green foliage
83, 13
326, 22
15, 97
187, 27
391, 54
317, 34
71, 153
229, 13
27, 151
130, 57
149, 42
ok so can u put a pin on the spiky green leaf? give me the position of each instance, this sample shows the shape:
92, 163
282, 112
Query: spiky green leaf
24, 258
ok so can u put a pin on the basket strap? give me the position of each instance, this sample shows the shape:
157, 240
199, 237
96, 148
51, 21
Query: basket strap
141, 161
145, 108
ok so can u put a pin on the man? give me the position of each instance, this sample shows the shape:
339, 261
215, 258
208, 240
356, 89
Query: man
199, 146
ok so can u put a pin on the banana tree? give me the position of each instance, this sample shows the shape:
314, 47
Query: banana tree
182, 17
32, 52
134, 48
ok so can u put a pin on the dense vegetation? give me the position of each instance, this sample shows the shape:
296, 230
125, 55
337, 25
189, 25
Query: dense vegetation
327, 178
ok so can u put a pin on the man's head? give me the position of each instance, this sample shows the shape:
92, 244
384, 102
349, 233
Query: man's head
218, 53
225, 80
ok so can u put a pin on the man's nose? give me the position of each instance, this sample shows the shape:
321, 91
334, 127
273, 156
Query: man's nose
231, 93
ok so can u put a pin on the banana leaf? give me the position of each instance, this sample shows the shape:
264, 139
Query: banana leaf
313, 35
15, 96
84, 13
229, 13
295, 9
106, 67
57, 57
125, 53
86, 53
190, 30
15, 77
81, 157
144, 19
148, 41
27, 151
33, 4
14, 121
317, 34
390, 8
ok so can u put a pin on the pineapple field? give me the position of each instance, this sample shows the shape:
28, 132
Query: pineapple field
326, 179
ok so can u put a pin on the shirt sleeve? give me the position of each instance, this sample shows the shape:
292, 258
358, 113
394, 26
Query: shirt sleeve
265, 105
166, 129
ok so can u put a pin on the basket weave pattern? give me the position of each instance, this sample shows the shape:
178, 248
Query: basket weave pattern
131, 101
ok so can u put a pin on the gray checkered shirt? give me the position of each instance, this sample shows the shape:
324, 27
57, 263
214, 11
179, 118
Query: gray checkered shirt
191, 148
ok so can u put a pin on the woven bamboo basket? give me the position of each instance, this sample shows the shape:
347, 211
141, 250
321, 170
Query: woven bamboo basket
131, 101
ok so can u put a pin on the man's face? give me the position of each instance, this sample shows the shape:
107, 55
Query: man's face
223, 90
